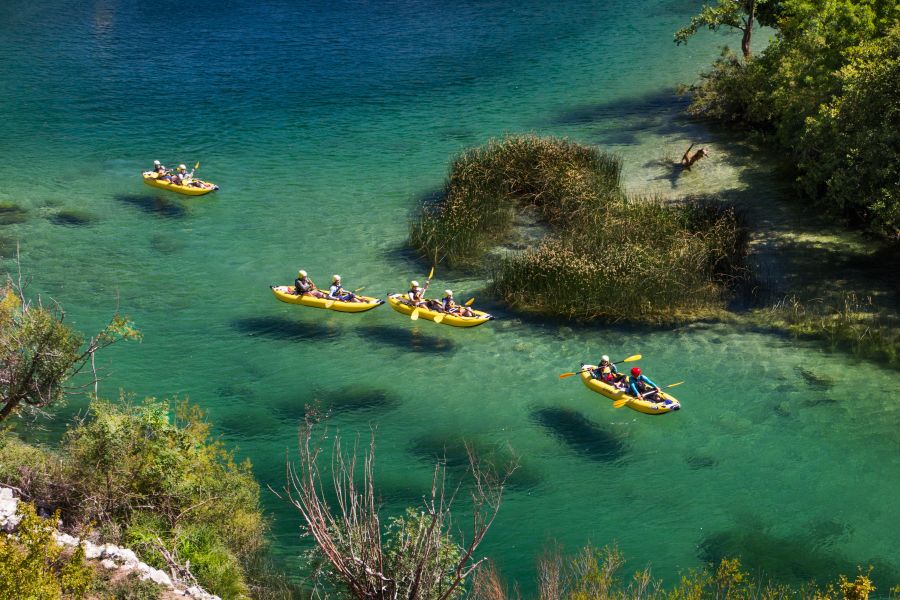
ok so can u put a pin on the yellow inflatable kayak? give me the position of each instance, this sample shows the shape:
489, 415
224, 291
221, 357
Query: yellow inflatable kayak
188, 190
424, 313
668, 404
285, 293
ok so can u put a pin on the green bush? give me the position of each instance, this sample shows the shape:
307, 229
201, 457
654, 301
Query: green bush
825, 91
34, 567
141, 475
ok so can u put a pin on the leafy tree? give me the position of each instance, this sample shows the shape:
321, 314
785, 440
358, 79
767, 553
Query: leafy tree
39, 353
736, 14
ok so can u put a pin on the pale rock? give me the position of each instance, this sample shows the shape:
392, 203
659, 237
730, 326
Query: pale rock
144, 568
66, 540
108, 563
91, 550
160, 578
108, 550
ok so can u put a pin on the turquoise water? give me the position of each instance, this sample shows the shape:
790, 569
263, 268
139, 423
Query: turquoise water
323, 123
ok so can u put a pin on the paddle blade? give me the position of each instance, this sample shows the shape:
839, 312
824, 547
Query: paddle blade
621, 403
197, 166
329, 303
470, 301
439, 318
632, 358
431, 273
414, 315
359, 289
672, 385
564, 375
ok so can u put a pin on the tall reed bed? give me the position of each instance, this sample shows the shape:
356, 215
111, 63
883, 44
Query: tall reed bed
487, 184
639, 260
608, 256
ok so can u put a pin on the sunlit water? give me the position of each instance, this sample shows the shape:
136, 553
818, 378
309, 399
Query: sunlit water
323, 123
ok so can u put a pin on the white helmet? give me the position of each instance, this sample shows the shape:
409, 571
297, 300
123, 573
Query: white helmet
604, 358
448, 293
301, 273
336, 278
156, 163
414, 283
182, 167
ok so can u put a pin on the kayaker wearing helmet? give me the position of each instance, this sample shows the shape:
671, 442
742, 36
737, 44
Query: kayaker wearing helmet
181, 176
337, 292
304, 286
451, 307
640, 386
605, 371
159, 169
416, 295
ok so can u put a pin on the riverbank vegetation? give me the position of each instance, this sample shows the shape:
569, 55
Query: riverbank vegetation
607, 256
824, 93
136, 476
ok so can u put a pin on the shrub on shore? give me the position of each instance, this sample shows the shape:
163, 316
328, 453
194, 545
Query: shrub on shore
153, 482
607, 257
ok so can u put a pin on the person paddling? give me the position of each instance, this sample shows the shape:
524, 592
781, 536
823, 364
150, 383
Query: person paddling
450, 307
605, 371
416, 294
337, 292
640, 386
304, 286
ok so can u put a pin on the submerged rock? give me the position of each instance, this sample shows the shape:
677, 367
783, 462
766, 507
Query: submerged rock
11, 213
72, 218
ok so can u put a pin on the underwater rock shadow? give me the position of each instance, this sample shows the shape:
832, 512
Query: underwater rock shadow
795, 558
409, 340
282, 328
580, 434
452, 451
154, 205
72, 218
333, 401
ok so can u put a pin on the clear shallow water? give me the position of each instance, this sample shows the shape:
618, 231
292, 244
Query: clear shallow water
323, 123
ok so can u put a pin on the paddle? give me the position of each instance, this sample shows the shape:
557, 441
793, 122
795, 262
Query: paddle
624, 401
414, 315
439, 317
470, 301
624, 360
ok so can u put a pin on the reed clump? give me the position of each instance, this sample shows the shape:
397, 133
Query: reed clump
608, 256
849, 322
488, 184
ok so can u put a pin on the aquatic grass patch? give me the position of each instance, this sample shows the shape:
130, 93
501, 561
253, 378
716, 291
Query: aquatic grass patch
11, 213
634, 259
408, 340
605, 256
848, 322
487, 184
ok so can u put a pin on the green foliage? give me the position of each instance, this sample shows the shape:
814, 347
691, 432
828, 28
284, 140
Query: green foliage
131, 587
639, 260
850, 323
403, 533
39, 353
557, 178
33, 567
862, 180
148, 479
825, 88
607, 257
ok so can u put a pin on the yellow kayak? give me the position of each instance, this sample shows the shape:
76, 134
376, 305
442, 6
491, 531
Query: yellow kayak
424, 313
150, 178
668, 404
285, 293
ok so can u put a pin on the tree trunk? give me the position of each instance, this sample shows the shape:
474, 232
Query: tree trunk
748, 30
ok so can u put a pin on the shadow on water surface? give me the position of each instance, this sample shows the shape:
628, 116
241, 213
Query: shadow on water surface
10, 214
451, 449
409, 340
796, 557
581, 434
282, 328
341, 400
154, 205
